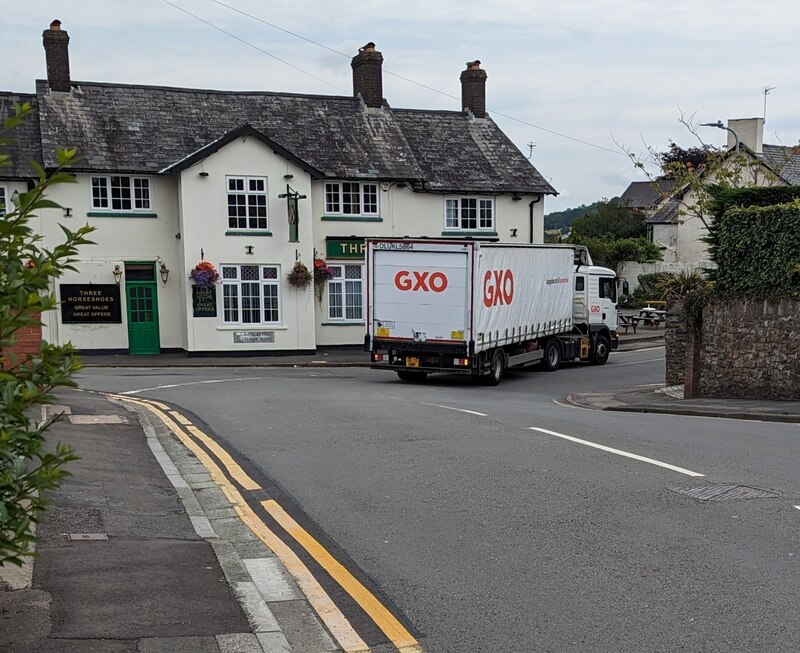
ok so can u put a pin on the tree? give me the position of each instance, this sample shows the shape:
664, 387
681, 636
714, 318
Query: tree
614, 234
27, 468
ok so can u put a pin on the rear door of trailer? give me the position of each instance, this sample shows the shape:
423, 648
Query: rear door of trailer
420, 291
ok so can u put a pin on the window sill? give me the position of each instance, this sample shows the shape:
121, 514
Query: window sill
252, 327
351, 218
343, 324
121, 214
456, 232
247, 232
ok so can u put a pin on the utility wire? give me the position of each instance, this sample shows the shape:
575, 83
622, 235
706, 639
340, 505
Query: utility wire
255, 47
388, 72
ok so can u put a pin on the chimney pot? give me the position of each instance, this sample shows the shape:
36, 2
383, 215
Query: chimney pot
56, 50
473, 89
368, 76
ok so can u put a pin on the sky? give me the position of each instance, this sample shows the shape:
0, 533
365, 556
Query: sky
586, 81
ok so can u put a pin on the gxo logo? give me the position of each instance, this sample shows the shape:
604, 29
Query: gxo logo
498, 287
424, 281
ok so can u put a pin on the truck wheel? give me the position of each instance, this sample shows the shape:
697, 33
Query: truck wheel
600, 350
497, 367
552, 355
414, 377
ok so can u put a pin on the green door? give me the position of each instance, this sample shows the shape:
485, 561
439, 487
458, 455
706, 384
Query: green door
141, 293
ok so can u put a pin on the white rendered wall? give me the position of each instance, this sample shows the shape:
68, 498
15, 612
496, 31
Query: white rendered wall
204, 221
118, 239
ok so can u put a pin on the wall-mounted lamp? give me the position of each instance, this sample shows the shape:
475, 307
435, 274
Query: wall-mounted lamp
163, 270
248, 249
67, 211
117, 272
513, 233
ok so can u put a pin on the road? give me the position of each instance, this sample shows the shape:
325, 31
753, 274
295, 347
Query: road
491, 531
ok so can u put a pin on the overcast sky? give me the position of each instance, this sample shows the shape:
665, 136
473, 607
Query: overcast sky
595, 70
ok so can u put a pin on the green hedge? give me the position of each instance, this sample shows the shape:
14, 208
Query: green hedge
724, 198
757, 249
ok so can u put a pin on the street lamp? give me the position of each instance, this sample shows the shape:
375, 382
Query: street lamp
719, 125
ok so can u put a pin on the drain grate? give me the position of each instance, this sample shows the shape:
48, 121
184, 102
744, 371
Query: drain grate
724, 492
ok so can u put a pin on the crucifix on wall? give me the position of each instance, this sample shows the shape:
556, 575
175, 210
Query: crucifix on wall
292, 211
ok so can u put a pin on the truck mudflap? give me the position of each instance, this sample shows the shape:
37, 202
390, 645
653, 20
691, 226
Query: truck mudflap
409, 356
614, 341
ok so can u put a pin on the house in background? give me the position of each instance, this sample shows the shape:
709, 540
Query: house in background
252, 182
673, 224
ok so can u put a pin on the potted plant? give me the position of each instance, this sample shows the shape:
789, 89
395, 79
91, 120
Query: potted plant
204, 274
299, 276
321, 275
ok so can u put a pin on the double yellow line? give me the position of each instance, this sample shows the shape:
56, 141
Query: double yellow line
324, 606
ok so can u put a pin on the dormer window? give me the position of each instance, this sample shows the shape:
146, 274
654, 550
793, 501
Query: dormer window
121, 193
351, 198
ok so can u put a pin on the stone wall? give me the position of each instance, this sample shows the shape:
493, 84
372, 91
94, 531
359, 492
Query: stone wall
675, 348
749, 350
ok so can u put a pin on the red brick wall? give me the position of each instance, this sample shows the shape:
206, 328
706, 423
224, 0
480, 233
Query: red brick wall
27, 344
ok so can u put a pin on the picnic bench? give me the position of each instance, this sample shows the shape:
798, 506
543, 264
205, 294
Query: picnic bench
652, 317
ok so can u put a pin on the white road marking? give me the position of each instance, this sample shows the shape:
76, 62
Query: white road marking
619, 452
563, 405
798, 507
648, 360
460, 410
180, 385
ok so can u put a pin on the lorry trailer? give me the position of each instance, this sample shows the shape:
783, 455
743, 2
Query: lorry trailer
480, 308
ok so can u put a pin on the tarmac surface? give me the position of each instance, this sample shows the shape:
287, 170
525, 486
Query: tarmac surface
138, 557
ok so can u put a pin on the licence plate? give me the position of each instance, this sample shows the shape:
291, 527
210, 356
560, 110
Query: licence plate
412, 361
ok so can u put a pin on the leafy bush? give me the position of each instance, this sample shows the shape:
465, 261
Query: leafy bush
27, 469
757, 251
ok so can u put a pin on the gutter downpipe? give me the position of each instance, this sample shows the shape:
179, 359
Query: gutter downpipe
530, 207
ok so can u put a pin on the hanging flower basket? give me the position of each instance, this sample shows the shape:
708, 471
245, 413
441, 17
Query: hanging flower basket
299, 277
204, 274
321, 275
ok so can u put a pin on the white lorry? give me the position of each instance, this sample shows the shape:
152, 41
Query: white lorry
479, 308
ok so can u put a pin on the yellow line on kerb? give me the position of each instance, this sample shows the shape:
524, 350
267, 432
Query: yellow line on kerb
384, 619
331, 616
230, 464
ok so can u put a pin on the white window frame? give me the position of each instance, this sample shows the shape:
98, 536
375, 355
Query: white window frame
4, 199
248, 193
269, 277
337, 286
456, 208
368, 194
145, 205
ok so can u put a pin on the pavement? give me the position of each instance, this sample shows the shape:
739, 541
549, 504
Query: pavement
147, 557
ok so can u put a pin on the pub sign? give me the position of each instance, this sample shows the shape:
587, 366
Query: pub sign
90, 303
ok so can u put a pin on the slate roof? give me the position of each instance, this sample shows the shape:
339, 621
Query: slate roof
144, 129
668, 213
23, 140
646, 194
784, 161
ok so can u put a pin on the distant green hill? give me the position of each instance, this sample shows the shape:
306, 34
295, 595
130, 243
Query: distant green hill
563, 219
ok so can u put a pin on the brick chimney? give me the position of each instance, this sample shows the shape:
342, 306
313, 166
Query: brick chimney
473, 89
368, 76
56, 50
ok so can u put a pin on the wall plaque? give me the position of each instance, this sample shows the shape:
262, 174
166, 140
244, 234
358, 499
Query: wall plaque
90, 303
253, 337
204, 301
